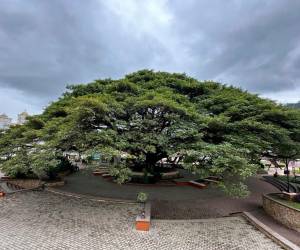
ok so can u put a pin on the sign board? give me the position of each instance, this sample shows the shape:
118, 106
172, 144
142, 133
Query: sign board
96, 156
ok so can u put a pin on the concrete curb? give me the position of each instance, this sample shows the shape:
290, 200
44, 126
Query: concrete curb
283, 242
93, 198
190, 220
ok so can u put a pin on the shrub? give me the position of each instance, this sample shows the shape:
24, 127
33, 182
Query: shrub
142, 197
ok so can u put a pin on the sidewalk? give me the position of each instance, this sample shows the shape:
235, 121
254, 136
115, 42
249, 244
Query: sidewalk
287, 233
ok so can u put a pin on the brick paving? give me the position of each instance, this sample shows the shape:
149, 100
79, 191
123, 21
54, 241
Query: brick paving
43, 220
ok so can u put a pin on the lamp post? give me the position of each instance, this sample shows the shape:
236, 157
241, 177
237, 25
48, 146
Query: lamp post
288, 179
287, 172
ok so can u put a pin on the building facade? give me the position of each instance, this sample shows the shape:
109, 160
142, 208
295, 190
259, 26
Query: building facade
5, 121
22, 117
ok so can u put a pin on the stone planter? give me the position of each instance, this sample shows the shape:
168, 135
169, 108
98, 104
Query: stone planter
26, 183
142, 223
290, 196
289, 216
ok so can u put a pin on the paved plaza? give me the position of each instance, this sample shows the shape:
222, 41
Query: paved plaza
43, 220
172, 202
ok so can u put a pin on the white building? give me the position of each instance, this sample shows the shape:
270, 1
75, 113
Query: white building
5, 121
22, 117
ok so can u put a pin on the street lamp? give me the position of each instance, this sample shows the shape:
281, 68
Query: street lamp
287, 172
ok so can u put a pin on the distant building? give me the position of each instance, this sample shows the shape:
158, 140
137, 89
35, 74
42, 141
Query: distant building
22, 117
5, 121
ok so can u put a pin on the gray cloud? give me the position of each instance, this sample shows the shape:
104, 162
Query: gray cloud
246, 43
45, 45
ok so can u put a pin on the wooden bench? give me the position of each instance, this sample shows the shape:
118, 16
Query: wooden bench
211, 180
197, 184
142, 223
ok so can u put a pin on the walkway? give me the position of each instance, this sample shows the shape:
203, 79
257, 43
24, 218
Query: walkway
42, 220
206, 204
84, 182
172, 202
287, 233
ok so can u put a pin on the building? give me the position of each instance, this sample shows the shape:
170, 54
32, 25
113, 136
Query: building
22, 117
5, 121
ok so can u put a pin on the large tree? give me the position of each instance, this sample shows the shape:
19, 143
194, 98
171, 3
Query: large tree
211, 128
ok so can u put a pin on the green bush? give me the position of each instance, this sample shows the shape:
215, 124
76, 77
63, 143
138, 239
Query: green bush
142, 197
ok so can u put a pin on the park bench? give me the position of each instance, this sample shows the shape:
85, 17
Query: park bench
210, 180
197, 184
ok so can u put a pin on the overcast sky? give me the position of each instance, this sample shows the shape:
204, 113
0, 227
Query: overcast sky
45, 45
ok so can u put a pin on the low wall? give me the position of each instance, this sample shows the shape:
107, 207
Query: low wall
281, 212
26, 183
55, 184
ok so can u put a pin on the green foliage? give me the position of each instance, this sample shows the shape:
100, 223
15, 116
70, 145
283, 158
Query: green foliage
235, 189
216, 129
121, 173
142, 197
43, 163
223, 160
17, 166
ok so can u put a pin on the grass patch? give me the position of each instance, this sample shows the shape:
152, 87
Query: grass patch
286, 202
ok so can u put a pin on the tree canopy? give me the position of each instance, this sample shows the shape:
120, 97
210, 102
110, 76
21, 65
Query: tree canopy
214, 129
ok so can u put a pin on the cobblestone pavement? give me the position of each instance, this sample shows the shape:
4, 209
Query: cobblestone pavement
43, 220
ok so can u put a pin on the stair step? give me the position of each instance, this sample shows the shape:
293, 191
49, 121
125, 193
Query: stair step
9, 188
101, 169
106, 175
282, 185
5, 188
100, 172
